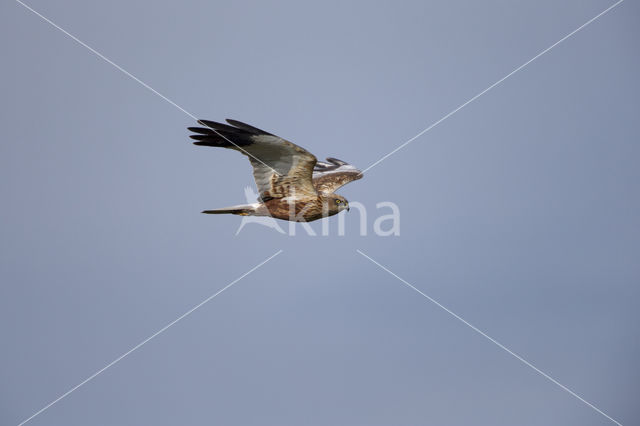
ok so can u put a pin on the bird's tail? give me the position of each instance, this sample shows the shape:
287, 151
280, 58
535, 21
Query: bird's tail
242, 210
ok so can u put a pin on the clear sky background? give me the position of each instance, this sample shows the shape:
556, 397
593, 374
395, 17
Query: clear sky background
520, 213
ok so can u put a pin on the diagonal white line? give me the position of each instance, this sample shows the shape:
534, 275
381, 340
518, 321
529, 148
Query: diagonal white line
133, 77
493, 85
491, 339
136, 347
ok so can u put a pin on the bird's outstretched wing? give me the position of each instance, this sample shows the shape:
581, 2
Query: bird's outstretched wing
280, 168
328, 177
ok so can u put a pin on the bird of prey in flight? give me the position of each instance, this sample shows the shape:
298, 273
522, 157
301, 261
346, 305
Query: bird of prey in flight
292, 183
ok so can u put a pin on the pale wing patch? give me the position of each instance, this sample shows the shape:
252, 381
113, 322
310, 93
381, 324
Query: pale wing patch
328, 177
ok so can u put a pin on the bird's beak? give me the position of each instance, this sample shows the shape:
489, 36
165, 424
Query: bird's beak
347, 208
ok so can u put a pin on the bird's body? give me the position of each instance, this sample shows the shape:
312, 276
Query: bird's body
292, 184
302, 210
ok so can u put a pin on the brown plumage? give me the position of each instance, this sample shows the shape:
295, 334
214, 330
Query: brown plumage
292, 183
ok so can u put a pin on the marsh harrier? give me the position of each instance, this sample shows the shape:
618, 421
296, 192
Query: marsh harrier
292, 183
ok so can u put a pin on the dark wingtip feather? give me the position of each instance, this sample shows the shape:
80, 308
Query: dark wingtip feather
336, 161
221, 135
246, 127
218, 126
201, 130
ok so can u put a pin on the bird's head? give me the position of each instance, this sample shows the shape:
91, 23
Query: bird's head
336, 203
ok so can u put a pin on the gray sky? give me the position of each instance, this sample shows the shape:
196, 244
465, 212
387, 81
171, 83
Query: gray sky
520, 213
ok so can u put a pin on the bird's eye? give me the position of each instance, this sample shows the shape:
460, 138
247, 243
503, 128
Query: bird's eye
338, 201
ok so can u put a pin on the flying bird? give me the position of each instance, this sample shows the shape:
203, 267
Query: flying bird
292, 184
